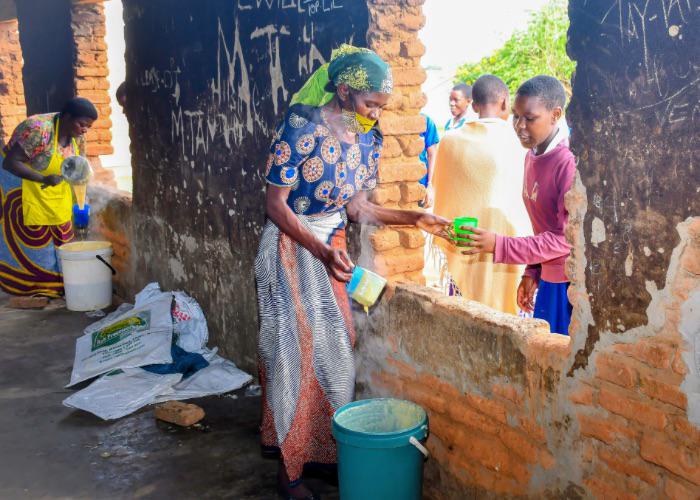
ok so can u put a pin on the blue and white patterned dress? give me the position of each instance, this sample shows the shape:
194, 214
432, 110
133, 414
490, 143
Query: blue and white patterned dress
306, 340
323, 172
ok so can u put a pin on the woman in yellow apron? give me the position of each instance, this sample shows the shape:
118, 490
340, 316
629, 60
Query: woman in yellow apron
36, 202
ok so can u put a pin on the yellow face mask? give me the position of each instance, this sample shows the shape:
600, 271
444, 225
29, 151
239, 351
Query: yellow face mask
364, 124
356, 123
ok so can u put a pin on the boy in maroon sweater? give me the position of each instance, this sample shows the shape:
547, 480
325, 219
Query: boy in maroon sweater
550, 168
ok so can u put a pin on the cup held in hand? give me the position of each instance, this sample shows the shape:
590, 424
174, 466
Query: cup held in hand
461, 234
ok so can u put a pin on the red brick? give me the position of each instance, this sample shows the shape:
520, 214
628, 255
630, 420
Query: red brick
391, 147
409, 76
678, 364
384, 239
179, 413
399, 261
627, 464
582, 396
384, 194
646, 351
489, 407
679, 460
28, 302
676, 490
606, 491
411, 192
99, 149
411, 238
425, 396
603, 429
411, 145
460, 411
413, 48
658, 389
441, 386
519, 444
532, 429
686, 431
397, 124
401, 170
91, 71
616, 369
625, 404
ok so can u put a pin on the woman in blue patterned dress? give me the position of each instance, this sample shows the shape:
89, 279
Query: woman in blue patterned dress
323, 162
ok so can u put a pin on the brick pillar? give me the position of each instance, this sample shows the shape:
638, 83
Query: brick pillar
12, 107
90, 73
397, 252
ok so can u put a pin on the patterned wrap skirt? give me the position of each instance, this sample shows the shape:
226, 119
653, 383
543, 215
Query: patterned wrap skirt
28, 259
305, 347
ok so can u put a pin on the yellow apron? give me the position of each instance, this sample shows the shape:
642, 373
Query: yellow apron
52, 205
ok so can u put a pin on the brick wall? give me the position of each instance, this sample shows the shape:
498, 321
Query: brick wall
397, 252
90, 74
12, 107
614, 411
487, 380
111, 220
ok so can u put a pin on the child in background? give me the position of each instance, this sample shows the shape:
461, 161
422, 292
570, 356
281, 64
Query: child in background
550, 168
460, 104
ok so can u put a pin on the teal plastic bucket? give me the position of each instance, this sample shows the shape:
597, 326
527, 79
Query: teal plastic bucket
380, 455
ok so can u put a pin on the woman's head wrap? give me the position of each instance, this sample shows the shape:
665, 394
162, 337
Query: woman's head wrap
79, 107
359, 68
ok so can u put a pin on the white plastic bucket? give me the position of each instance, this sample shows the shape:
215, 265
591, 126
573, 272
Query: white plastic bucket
87, 274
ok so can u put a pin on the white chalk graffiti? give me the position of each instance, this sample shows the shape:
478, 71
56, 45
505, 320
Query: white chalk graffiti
229, 110
309, 7
672, 90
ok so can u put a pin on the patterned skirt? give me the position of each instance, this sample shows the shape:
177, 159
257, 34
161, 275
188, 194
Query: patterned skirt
305, 347
28, 259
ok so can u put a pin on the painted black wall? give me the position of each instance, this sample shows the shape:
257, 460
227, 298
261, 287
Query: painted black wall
636, 131
48, 51
206, 83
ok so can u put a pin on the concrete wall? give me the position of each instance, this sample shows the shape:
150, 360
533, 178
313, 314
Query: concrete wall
205, 86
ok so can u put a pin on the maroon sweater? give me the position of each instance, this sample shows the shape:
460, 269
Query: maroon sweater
547, 179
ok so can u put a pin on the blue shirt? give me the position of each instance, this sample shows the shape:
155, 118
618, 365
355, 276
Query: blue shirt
323, 172
430, 138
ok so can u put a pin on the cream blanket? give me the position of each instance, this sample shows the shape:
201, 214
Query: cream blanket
479, 173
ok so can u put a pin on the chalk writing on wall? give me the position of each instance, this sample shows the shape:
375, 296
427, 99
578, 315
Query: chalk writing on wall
636, 140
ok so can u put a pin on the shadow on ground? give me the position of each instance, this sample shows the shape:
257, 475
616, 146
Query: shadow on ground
49, 451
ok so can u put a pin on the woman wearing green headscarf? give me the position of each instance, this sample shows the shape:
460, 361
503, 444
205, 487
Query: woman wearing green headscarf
323, 162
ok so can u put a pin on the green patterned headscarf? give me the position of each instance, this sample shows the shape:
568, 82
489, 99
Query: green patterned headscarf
359, 68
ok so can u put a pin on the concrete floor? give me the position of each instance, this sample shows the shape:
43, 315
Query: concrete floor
48, 451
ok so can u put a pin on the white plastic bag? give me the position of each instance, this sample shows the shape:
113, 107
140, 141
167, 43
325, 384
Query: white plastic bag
140, 336
122, 392
189, 324
219, 377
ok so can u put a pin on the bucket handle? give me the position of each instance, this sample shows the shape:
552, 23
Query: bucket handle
101, 259
420, 447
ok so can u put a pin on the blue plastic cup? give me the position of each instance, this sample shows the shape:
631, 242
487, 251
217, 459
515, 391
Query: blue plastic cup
81, 218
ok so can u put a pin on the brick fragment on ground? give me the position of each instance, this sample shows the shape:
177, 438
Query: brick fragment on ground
28, 302
178, 413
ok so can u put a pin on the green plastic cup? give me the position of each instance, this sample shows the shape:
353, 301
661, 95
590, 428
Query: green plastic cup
460, 234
